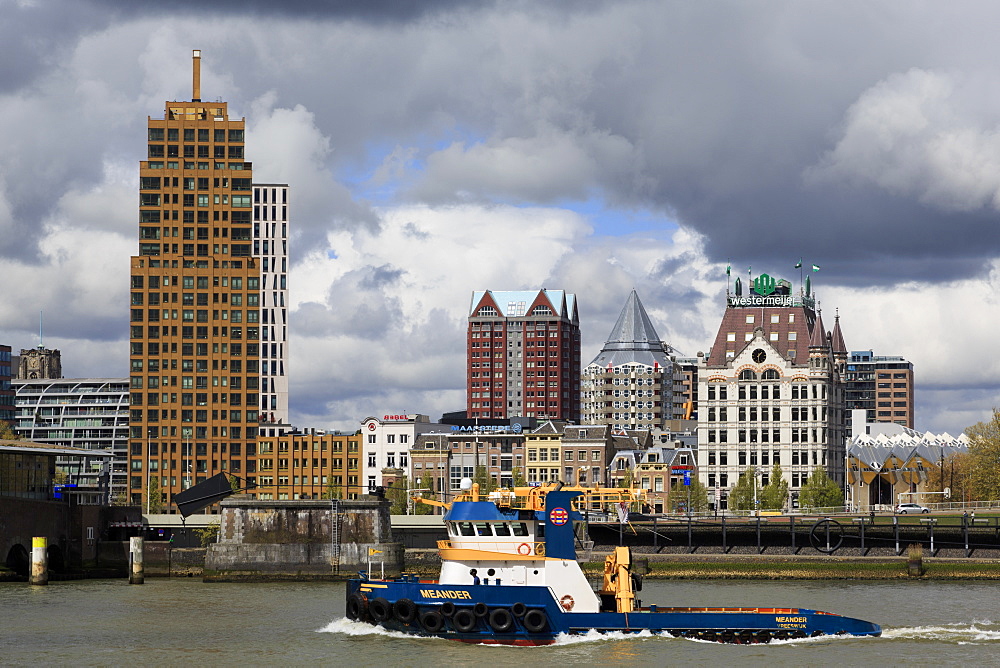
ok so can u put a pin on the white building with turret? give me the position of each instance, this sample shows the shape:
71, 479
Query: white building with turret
771, 391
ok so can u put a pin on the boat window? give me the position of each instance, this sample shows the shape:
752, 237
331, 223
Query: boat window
466, 528
483, 528
541, 531
520, 529
453, 528
502, 529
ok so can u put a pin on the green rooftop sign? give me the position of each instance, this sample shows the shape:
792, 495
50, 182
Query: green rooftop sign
764, 285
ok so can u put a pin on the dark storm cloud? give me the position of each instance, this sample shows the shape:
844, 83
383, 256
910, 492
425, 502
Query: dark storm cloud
857, 238
724, 116
36, 36
41, 157
380, 277
374, 11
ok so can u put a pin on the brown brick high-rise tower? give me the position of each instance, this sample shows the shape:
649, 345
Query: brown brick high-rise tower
195, 286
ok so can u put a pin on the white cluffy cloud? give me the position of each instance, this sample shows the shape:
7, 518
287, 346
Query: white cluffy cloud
926, 134
437, 150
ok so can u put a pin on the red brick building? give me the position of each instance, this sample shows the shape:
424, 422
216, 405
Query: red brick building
524, 355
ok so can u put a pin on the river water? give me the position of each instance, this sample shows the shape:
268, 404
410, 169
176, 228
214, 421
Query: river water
184, 621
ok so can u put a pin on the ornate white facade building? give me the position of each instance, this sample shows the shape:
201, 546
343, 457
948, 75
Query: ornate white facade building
771, 391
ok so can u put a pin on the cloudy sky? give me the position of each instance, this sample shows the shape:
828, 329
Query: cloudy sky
439, 147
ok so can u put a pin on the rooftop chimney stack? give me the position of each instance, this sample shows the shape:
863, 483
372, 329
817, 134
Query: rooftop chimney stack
196, 57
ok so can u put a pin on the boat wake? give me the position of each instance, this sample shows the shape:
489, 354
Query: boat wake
592, 635
979, 632
597, 636
349, 627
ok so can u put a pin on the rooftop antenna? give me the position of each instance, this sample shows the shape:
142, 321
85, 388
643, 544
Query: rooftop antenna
41, 341
196, 76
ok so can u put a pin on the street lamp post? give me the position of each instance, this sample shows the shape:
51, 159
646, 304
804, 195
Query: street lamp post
148, 464
186, 464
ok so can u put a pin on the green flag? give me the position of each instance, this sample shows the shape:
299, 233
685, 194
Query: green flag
798, 265
729, 269
815, 267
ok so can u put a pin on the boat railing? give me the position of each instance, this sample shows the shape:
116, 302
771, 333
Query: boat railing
533, 498
525, 548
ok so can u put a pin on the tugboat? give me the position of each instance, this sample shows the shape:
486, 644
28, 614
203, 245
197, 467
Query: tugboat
509, 575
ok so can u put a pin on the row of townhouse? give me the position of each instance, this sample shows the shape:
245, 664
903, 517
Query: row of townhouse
437, 457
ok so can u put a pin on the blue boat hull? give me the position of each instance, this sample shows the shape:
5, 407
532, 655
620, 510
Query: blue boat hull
529, 615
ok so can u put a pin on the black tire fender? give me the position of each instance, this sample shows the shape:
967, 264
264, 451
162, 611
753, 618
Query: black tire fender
535, 620
432, 621
464, 620
357, 606
380, 609
518, 609
447, 608
501, 620
405, 610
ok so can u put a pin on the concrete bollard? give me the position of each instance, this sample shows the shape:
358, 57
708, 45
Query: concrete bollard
39, 561
136, 575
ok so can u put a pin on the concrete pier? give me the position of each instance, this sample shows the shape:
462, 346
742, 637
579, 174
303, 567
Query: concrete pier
39, 561
305, 539
136, 574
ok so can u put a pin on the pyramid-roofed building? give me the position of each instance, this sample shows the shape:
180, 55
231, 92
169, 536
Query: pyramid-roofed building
630, 383
633, 340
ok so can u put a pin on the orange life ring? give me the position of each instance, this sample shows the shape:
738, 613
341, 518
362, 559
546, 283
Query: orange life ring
524, 549
567, 602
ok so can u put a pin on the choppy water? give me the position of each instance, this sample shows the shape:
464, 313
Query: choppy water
183, 621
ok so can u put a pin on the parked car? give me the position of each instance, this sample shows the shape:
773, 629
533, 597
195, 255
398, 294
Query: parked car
905, 508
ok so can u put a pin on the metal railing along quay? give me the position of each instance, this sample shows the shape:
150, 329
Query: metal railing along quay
956, 530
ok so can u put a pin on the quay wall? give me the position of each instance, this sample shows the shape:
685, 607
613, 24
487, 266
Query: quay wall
302, 539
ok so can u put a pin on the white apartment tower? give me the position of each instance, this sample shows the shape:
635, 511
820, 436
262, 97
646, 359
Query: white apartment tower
270, 246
